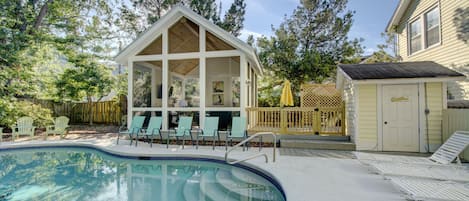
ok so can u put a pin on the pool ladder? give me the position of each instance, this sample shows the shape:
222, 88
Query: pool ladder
260, 134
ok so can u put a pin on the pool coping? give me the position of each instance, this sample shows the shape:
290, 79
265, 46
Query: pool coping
251, 167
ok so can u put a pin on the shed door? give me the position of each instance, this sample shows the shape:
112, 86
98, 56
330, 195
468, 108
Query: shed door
400, 118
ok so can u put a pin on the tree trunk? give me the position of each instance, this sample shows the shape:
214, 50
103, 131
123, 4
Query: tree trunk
41, 15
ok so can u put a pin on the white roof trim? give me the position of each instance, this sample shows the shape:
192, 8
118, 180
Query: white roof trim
397, 15
171, 17
340, 78
409, 80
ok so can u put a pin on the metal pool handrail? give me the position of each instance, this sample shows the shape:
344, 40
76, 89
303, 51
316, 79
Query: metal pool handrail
256, 155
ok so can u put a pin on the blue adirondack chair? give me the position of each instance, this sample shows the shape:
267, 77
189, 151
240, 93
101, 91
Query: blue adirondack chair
134, 129
153, 129
24, 126
238, 131
210, 130
183, 129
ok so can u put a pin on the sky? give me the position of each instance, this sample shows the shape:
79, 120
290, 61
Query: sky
370, 18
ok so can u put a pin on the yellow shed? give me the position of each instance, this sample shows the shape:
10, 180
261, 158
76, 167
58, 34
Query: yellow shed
395, 106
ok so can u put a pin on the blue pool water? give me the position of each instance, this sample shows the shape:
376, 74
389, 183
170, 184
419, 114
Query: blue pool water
89, 174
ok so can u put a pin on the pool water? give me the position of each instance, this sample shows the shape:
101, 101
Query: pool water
89, 174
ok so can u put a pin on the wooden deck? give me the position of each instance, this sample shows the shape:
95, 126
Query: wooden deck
297, 120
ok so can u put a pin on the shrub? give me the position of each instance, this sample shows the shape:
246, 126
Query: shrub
10, 111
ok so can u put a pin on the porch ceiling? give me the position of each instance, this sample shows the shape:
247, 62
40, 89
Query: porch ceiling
184, 37
183, 67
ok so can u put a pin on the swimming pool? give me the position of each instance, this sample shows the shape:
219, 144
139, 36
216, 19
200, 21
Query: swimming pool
89, 174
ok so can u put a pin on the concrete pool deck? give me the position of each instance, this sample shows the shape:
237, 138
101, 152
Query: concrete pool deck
305, 175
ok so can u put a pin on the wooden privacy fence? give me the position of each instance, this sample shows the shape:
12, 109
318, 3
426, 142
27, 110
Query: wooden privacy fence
297, 120
105, 112
455, 120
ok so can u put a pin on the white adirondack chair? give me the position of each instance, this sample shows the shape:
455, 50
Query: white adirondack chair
24, 126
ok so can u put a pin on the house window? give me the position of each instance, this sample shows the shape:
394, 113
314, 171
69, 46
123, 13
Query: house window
415, 36
432, 27
424, 32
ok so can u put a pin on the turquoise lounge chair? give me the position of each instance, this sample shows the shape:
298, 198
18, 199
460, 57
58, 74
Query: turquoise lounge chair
153, 129
134, 129
183, 129
60, 127
238, 131
24, 126
210, 130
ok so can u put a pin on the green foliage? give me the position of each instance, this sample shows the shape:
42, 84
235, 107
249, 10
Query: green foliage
234, 18
86, 79
270, 90
310, 43
151, 11
10, 111
382, 55
37, 39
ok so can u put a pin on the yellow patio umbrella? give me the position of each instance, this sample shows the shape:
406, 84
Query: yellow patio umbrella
286, 99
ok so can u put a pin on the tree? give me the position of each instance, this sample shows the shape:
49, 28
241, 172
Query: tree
38, 37
87, 79
382, 54
153, 10
234, 18
309, 44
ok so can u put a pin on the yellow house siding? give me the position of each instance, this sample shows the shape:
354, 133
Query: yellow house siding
367, 117
452, 52
435, 105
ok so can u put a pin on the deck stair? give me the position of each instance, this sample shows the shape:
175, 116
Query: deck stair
317, 142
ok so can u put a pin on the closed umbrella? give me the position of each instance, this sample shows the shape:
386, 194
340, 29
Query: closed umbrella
286, 99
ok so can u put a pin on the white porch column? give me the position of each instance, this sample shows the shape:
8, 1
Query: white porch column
243, 67
202, 76
153, 87
165, 80
130, 87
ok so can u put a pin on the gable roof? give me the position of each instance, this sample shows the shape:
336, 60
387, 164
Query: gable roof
397, 15
172, 16
379, 72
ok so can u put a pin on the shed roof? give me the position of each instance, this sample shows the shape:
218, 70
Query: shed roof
419, 69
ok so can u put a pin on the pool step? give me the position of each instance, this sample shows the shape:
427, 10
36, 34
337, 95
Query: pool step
243, 189
191, 189
246, 178
213, 191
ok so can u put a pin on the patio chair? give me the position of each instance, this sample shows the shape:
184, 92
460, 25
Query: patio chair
238, 131
24, 126
183, 129
134, 129
457, 173
437, 166
1, 134
153, 129
429, 189
60, 127
446, 154
210, 130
